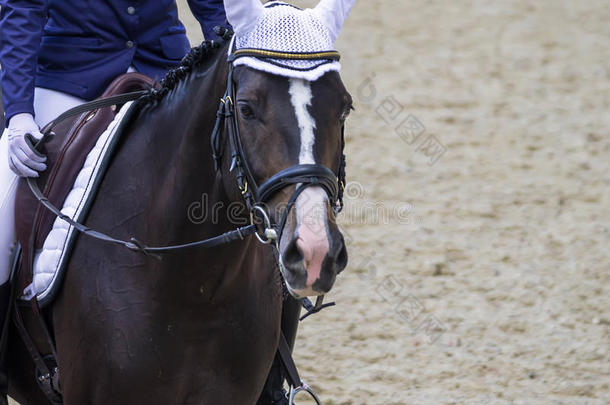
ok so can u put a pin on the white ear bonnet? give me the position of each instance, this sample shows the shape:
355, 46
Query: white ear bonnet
281, 27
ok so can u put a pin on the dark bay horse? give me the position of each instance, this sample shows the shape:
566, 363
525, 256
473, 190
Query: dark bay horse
199, 326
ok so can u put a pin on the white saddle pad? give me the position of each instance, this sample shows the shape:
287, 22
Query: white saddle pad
55, 251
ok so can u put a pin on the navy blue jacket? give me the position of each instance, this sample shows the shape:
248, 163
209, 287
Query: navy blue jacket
79, 46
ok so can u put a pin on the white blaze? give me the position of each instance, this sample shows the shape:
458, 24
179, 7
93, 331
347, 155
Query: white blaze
300, 95
311, 204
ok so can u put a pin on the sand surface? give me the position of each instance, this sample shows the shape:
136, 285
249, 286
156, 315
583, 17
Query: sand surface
479, 275
478, 209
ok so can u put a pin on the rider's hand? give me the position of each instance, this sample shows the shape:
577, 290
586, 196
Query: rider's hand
22, 158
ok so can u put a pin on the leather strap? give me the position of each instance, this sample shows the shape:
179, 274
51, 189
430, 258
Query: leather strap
292, 374
134, 244
45, 374
94, 105
303, 173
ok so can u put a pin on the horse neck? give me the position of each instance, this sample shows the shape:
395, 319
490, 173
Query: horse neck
195, 100
188, 183
192, 202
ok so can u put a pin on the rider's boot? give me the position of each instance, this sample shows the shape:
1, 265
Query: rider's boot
274, 393
5, 292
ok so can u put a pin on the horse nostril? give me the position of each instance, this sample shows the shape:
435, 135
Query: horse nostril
342, 259
292, 255
295, 272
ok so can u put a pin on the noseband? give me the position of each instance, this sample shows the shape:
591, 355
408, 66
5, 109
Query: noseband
301, 175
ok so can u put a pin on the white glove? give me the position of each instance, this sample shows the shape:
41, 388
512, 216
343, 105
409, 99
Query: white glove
22, 158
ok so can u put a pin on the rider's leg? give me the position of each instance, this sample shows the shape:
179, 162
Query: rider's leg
273, 393
8, 187
48, 105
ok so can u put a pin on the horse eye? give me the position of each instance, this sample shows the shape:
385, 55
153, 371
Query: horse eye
246, 111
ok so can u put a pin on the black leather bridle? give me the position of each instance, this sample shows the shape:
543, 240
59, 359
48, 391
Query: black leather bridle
255, 196
303, 175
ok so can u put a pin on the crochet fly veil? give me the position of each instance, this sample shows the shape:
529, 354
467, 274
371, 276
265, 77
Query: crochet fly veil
281, 27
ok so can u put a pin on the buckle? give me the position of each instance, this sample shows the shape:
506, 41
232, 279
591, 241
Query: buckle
267, 233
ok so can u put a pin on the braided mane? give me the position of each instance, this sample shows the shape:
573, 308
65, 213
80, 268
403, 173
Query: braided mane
193, 59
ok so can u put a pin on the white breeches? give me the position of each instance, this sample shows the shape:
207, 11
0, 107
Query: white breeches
8, 186
48, 105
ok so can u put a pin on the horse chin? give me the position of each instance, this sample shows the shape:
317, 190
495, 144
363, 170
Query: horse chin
305, 279
296, 281
302, 293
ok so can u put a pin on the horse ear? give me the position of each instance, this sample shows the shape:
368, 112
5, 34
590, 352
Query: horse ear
333, 14
243, 14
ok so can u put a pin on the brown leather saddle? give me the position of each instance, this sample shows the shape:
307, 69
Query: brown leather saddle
66, 153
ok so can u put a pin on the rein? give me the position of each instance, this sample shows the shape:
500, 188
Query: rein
133, 243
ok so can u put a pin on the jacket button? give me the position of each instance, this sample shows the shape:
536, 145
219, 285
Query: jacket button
129, 44
131, 10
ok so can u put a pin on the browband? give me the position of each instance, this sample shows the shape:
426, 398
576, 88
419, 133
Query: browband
268, 54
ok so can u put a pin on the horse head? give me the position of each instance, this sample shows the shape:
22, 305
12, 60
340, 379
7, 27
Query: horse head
289, 119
